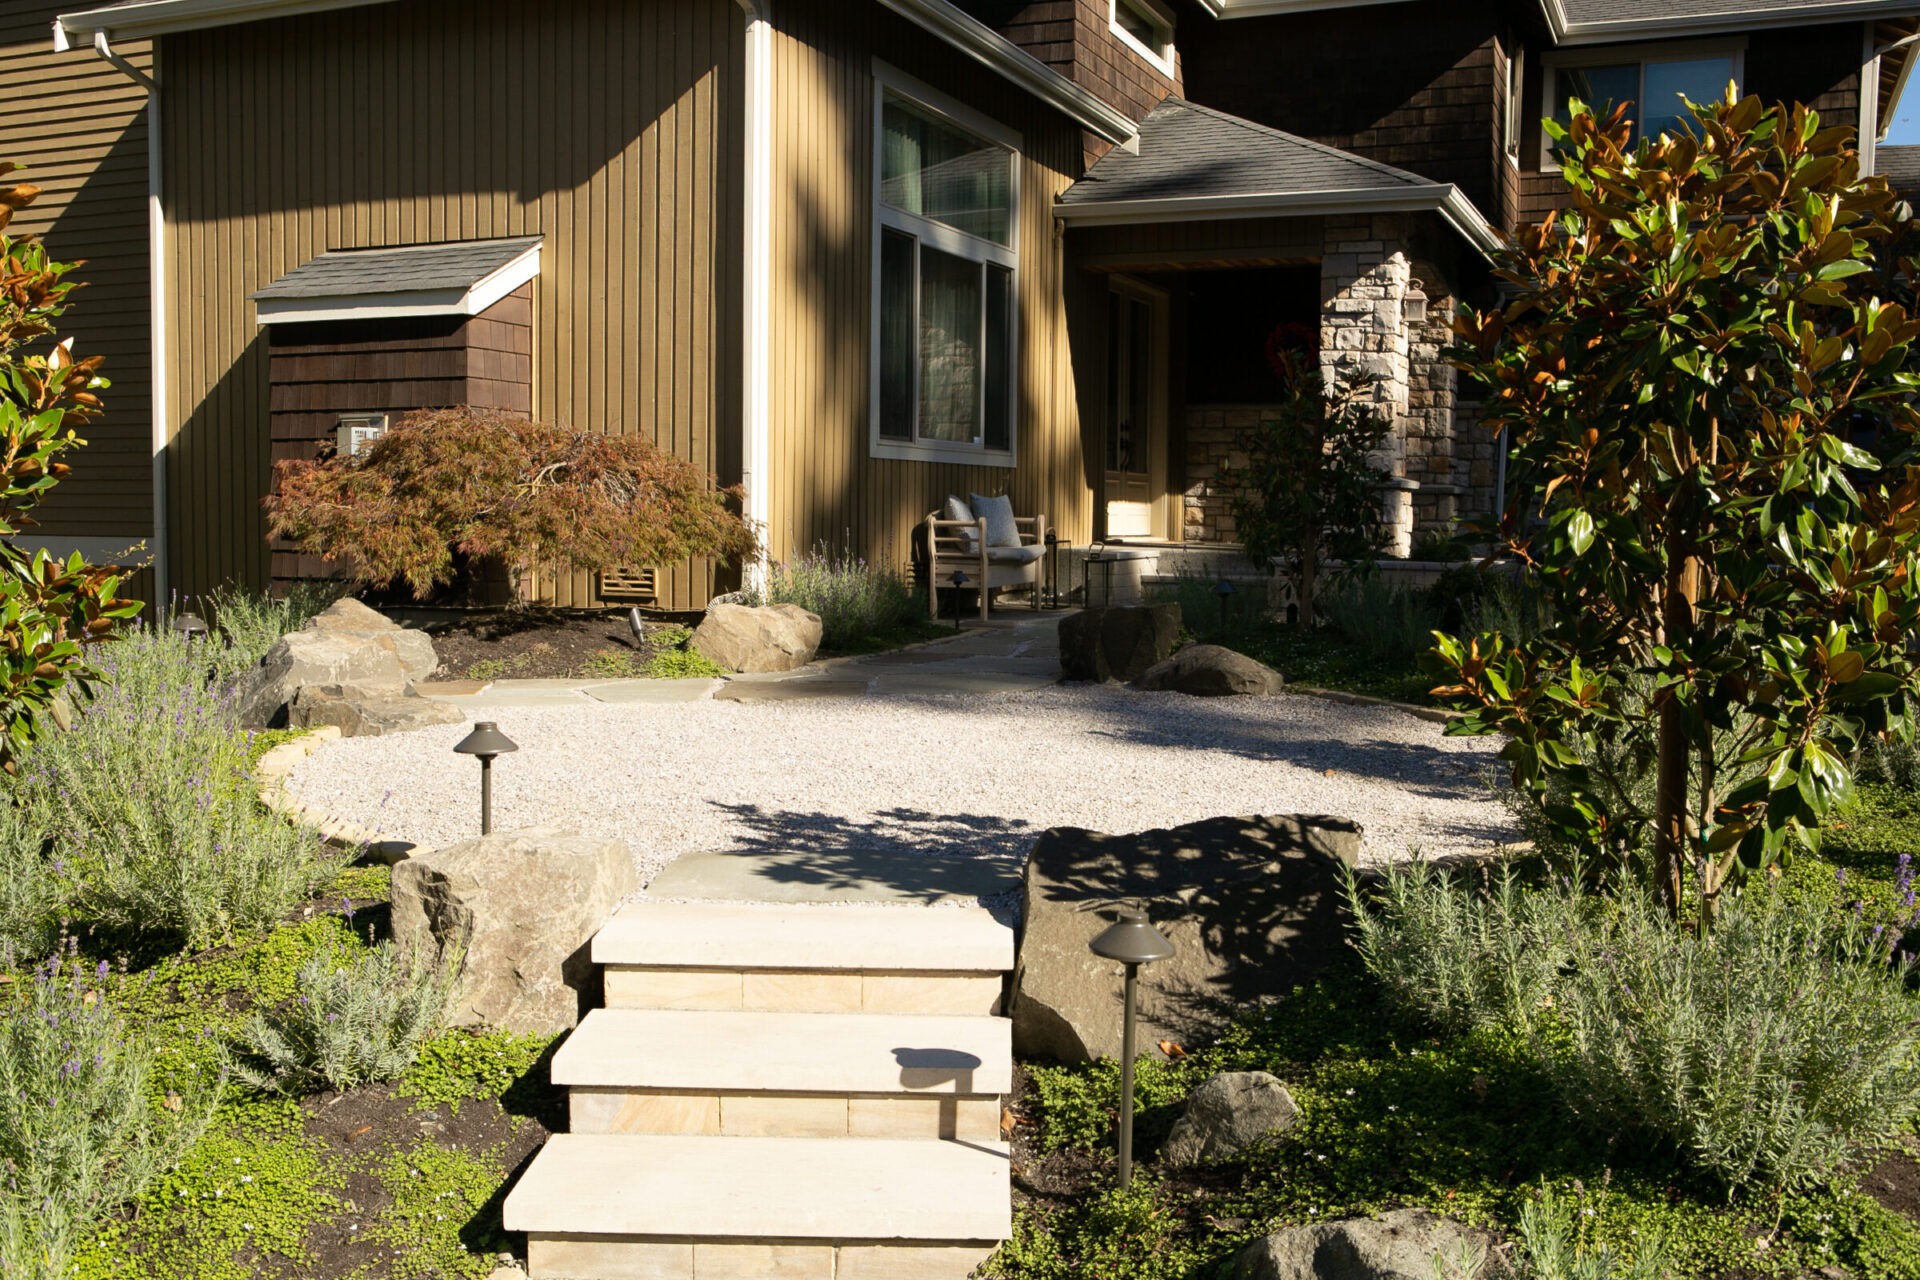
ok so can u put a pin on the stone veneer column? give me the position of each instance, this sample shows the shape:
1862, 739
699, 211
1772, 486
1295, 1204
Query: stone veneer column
1364, 278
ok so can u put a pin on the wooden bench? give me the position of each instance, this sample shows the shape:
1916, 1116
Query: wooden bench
961, 545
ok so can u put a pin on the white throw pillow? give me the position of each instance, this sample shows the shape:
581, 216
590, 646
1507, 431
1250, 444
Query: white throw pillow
1001, 529
957, 510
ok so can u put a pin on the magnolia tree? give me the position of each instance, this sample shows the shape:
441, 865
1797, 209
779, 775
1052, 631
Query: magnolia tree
1694, 351
451, 484
52, 611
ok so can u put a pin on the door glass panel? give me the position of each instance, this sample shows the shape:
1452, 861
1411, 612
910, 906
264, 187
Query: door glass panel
950, 340
1700, 79
999, 358
1139, 367
1117, 430
896, 336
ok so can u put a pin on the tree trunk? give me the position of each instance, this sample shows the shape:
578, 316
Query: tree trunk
1670, 800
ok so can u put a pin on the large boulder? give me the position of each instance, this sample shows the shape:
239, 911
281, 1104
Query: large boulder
365, 715
1253, 907
526, 904
414, 649
349, 650
778, 637
1227, 1114
1117, 644
1210, 671
1406, 1244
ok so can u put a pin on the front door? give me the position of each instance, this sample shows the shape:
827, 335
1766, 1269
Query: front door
1136, 429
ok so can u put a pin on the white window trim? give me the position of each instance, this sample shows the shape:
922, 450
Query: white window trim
941, 236
1162, 59
1734, 50
1514, 118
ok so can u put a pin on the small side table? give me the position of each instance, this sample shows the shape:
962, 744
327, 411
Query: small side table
1119, 569
1056, 546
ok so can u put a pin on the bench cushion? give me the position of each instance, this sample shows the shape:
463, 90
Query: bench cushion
957, 510
1014, 555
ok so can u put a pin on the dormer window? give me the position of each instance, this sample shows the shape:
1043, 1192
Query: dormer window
1652, 78
1147, 26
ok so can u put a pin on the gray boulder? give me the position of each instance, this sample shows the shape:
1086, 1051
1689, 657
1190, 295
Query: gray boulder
1210, 671
366, 715
350, 650
526, 903
777, 637
1406, 1244
1253, 907
1117, 644
414, 649
1227, 1114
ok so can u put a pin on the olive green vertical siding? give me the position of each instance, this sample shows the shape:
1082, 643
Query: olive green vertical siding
80, 128
826, 486
609, 127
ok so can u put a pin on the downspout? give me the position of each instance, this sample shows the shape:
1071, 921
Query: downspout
157, 289
756, 288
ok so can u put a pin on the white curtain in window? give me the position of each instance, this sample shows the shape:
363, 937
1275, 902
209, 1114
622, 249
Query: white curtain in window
950, 315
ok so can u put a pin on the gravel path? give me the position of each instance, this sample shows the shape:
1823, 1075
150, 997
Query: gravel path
970, 776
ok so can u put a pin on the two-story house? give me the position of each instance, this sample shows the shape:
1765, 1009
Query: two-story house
854, 255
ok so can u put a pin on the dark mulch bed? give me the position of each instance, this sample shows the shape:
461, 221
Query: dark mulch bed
545, 644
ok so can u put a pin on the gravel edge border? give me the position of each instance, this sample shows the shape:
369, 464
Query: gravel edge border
1433, 715
270, 775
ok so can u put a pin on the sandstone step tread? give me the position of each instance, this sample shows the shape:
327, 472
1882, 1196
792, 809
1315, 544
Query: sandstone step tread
718, 1189
788, 1052
716, 935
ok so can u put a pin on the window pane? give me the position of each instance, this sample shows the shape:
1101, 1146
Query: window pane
930, 168
1602, 88
1000, 358
1141, 26
1700, 79
896, 336
950, 324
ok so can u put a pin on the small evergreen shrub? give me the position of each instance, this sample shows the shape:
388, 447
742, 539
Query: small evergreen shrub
675, 658
354, 1019
79, 1135
1389, 625
859, 604
1767, 1049
1202, 615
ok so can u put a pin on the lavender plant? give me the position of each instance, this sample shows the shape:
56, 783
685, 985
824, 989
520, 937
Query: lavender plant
32, 890
248, 623
355, 1019
856, 602
150, 806
1551, 1248
79, 1134
1768, 1050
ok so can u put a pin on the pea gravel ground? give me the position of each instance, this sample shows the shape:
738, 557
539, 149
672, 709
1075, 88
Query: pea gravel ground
953, 776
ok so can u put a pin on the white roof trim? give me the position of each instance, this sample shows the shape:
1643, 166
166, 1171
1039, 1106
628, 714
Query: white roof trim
1442, 198
997, 53
163, 17
470, 301
1566, 32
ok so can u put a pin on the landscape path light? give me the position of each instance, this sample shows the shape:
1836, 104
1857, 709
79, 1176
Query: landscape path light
1133, 942
1223, 593
190, 625
959, 581
486, 741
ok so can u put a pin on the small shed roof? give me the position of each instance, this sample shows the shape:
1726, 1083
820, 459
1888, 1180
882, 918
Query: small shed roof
1193, 162
458, 278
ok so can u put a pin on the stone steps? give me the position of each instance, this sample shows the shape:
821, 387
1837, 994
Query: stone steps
780, 1092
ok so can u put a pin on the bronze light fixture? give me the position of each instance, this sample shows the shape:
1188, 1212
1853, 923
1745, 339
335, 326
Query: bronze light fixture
486, 741
190, 626
1224, 594
959, 581
1132, 941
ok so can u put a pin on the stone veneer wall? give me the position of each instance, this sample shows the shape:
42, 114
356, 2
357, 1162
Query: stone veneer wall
1214, 447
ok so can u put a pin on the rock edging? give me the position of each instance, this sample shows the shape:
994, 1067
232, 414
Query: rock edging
1433, 715
270, 778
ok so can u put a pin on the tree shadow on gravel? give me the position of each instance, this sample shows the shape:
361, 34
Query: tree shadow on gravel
911, 851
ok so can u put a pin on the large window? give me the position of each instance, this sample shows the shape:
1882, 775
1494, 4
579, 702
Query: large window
945, 343
1147, 25
1654, 80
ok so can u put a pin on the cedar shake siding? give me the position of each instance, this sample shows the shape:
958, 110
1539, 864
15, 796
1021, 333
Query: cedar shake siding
1418, 86
1075, 38
320, 371
1818, 66
80, 128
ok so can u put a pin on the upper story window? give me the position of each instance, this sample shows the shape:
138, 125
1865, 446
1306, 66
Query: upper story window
1653, 78
945, 325
1147, 25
